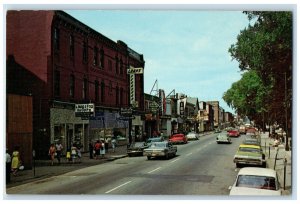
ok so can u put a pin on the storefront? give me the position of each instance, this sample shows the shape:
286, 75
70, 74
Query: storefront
68, 129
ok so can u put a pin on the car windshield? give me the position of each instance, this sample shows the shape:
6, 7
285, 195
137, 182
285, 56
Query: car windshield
158, 144
249, 149
153, 140
261, 182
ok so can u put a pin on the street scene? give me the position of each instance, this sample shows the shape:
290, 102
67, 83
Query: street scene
157, 104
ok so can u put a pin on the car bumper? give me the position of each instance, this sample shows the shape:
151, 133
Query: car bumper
154, 154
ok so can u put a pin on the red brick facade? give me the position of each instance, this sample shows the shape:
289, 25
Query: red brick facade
75, 64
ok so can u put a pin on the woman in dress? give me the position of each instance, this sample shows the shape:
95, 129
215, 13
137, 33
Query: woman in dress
52, 153
15, 162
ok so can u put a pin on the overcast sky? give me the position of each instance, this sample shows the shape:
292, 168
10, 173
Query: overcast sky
184, 50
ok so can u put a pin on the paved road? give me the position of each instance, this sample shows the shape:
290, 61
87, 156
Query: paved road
201, 168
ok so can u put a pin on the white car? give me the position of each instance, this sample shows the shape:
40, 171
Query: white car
223, 138
256, 181
192, 136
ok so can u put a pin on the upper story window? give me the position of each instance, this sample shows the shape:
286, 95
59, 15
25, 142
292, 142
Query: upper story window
84, 88
72, 86
121, 96
95, 58
71, 45
56, 83
102, 58
117, 96
109, 65
56, 38
121, 67
96, 90
102, 91
85, 52
117, 65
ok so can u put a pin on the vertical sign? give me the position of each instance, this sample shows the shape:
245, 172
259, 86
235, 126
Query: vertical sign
132, 88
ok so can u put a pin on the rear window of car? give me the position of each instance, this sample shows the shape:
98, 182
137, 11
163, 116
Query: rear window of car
248, 149
261, 182
158, 144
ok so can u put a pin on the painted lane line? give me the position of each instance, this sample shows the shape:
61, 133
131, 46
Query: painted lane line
118, 187
174, 160
189, 154
154, 170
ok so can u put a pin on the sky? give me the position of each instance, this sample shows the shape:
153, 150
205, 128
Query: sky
185, 51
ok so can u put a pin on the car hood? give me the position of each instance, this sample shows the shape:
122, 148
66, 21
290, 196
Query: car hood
253, 191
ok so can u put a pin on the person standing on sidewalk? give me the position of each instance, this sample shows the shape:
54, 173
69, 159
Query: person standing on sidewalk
113, 143
102, 149
8, 166
51, 153
91, 150
59, 149
106, 144
15, 162
97, 148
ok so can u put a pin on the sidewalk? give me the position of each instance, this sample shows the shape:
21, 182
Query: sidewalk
282, 154
43, 169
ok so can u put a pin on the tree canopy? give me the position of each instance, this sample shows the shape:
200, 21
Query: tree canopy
264, 52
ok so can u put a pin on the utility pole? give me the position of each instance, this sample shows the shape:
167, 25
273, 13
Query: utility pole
286, 114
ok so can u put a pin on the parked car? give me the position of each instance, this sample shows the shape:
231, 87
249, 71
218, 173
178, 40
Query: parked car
251, 141
160, 149
178, 139
223, 138
192, 136
153, 139
256, 181
249, 155
136, 149
218, 130
233, 133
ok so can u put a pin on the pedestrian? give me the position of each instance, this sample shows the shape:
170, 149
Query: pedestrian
102, 149
58, 149
106, 144
73, 153
8, 166
68, 155
113, 143
91, 150
97, 148
51, 153
16, 161
79, 152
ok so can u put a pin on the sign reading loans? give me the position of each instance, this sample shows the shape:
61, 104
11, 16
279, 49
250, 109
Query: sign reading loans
132, 70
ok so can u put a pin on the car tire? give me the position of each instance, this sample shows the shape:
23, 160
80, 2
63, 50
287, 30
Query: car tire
148, 157
167, 156
237, 165
264, 165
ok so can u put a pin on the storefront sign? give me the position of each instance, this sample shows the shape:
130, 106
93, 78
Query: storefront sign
133, 70
84, 108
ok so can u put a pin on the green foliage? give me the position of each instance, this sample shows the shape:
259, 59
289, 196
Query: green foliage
264, 52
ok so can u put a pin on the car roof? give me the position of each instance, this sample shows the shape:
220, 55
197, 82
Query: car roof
250, 146
257, 171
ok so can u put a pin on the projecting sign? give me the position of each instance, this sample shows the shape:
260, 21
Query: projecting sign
133, 70
132, 88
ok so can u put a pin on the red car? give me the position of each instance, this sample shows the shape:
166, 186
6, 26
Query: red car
233, 133
178, 139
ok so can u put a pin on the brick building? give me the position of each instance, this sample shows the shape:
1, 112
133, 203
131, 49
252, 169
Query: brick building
60, 62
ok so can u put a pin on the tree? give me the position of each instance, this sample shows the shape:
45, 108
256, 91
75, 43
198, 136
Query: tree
265, 47
247, 95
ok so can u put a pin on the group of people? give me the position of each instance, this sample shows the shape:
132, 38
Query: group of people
101, 147
55, 150
72, 154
